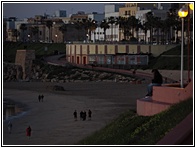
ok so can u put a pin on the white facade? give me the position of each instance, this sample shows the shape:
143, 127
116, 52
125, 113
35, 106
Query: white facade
112, 10
98, 34
60, 13
141, 15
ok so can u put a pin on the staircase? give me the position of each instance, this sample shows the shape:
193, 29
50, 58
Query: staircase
163, 97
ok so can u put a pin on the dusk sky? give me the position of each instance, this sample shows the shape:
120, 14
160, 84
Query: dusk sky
27, 9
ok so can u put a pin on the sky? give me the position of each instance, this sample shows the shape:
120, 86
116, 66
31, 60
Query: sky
27, 9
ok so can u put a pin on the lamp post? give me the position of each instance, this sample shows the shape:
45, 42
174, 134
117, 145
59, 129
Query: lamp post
56, 37
87, 38
190, 7
29, 37
183, 12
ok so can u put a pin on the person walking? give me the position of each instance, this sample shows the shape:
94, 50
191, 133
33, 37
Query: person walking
39, 98
75, 115
84, 115
89, 114
42, 98
9, 127
28, 131
81, 115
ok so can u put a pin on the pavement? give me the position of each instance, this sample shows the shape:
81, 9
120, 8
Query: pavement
169, 76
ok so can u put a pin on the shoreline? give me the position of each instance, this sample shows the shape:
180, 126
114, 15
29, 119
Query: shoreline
52, 121
20, 109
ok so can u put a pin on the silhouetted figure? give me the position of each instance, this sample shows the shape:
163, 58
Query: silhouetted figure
28, 131
9, 127
156, 81
84, 115
89, 114
81, 115
42, 98
39, 98
75, 115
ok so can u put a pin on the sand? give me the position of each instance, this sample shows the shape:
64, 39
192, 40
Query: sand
52, 121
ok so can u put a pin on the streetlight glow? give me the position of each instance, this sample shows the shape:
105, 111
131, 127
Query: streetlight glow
191, 6
183, 12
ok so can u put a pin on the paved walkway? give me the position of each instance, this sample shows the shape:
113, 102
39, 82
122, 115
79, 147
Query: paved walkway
170, 75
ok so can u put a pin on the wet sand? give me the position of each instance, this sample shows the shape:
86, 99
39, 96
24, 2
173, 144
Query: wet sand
52, 121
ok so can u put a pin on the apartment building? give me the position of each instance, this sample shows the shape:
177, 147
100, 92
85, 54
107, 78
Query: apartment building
98, 33
111, 13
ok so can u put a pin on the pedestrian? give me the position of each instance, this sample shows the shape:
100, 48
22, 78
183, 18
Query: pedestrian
75, 115
42, 97
81, 115
84, 115
39, 98
89, 114
156, 81
9, 127
28, 131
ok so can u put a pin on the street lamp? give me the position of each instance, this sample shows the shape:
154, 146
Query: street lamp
183, 12
56, 37
87, 38
29, 37
190, 7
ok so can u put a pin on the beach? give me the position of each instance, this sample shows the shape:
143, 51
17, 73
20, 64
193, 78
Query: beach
52, 120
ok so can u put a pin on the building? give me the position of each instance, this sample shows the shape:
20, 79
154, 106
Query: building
98, 33
60, 13
111, 13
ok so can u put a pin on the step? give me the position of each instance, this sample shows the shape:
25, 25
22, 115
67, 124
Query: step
149, 107
171, 93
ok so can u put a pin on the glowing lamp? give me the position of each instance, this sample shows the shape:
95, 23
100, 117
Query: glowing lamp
191, 6
183, 12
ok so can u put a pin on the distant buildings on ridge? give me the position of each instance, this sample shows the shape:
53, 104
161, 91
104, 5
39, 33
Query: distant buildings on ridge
93, 27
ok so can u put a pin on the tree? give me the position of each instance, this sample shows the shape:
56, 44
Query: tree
150, 24
172, 22
15, 34
34, 31
104, 25
49, 24
63, 29
23, 27
89, 26
111, 21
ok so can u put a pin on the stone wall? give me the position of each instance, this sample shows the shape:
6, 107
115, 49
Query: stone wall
12, 72
25, 58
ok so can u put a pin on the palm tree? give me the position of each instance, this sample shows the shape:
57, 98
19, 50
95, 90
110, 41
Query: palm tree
34, 31
144, 27
111, 21
89, 26
63, 29
157, 25
120, 21
172, 18
15, 34
150, 24
49, 24
104, 25
23, 27
137, 27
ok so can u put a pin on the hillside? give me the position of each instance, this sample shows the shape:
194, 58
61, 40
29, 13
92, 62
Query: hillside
10, 48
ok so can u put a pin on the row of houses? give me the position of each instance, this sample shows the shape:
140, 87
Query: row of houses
12, 30
113, 54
